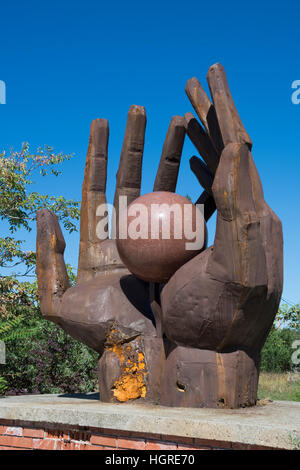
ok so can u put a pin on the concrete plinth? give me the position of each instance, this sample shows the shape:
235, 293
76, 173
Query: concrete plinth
270, 425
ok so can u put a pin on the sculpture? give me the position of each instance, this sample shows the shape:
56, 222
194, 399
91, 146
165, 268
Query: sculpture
194, 341
149, 253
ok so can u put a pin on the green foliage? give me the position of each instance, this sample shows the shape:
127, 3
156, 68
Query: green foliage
279, 386
277, 351
295, 441
288, 316
42, 358
18, 205
71, 274
17, 297
3, 386
13, 330
16, 329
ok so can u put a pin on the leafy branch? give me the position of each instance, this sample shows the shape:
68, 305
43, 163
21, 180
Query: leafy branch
18, 205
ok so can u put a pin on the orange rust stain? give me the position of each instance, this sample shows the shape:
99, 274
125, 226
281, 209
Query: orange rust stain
53, 240
132, 382
221, 380
129, 387
119, 352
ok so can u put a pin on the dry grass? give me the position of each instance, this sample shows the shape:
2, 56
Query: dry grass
277, 386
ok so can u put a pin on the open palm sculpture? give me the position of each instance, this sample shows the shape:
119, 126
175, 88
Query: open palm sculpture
194, 341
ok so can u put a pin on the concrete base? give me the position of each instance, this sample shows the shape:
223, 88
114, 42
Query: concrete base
270, 424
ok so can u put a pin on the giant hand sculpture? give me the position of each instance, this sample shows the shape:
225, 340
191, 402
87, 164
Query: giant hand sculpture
194, 341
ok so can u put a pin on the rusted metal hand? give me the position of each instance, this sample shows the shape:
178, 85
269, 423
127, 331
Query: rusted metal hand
216, 310
109, 309
219, 307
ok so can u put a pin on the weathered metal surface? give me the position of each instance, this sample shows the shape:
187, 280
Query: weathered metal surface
129, 174
230, 123
206, 112
202, 173
93, 194
167, 173
199, 345
202, 142
204, 378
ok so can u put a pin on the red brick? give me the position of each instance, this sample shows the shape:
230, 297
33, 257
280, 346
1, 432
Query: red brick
94, 430
212, 443
65, 445
75, 446
56, 434
103, 441
44, 444
16, 441
86, 446
179, 439
79, 435
148, 436
137, 444
6, 422
2, 429
14, 431
156, 445
184, 447
32, 432
89, 447
256, 447
11, 448
116, 432
242, 446
62, 445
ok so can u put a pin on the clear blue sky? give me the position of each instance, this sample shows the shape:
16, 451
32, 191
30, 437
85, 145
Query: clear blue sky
66, 63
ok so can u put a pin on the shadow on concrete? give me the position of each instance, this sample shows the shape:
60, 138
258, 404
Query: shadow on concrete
81, 396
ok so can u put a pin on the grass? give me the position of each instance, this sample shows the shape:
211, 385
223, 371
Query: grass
295, 441
276, 386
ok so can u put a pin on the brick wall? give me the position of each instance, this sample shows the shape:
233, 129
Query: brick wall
18, 435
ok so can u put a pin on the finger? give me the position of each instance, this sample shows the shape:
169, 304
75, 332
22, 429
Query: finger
51, 271
237, 187
167, 173
201, 141
205, 111
209, 204
202, 173
93, 196
230, 123
130, 168
248, 239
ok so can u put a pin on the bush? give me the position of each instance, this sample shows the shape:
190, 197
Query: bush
277, 351
42, 358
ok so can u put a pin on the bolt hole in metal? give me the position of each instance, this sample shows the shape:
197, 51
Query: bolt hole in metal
180, 386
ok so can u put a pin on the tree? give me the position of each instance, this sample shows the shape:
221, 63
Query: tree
277, 352
278, 349
40, 358
18, 206
289, 316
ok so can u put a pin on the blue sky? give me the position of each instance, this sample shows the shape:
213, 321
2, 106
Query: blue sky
66, 63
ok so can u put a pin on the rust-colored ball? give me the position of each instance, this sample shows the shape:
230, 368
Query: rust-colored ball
158, 233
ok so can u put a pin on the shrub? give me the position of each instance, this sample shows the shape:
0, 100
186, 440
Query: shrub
277, 351
42, 358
